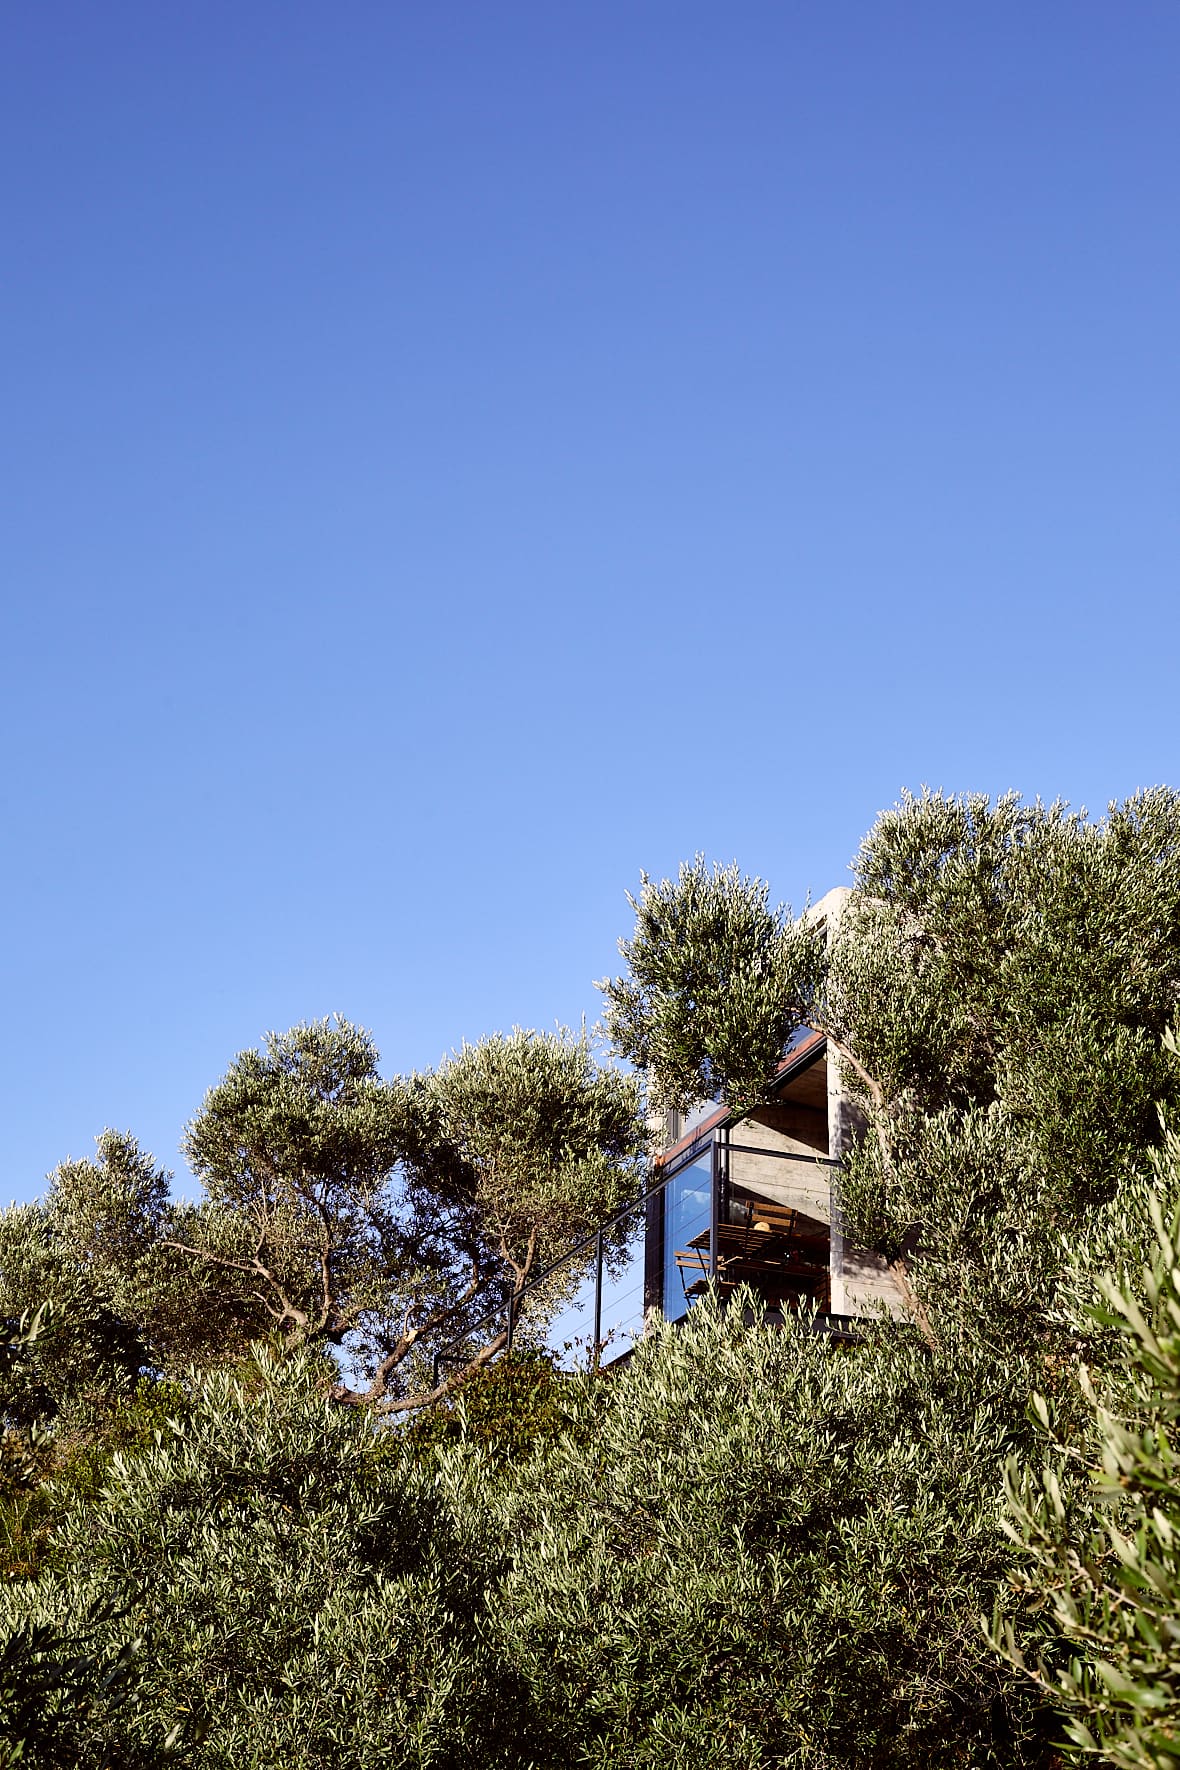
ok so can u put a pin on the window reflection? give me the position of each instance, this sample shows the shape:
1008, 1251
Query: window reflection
687, 1211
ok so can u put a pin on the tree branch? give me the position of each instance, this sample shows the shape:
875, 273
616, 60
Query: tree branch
519, 1272
914, 1304
876, 1093
375, 1395
289, 1311
325, 1266
426, 1398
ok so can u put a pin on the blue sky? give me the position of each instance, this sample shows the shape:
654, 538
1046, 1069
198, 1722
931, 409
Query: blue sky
457, 456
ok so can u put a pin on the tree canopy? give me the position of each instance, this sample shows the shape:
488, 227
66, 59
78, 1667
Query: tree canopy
755, 1544
717, 982
340, 1211
1098, 1522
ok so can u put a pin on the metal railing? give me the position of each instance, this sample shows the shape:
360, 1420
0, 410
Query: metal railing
620, 1278
604, 1256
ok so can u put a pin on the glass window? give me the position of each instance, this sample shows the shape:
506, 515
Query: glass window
569, 1331
622, 1296
687, 1212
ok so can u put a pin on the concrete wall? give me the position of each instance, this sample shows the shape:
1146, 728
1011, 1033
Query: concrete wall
786, 1131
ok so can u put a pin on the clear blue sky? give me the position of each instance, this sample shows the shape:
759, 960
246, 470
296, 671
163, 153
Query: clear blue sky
456, 456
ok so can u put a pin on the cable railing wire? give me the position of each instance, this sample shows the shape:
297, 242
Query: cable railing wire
508, 1318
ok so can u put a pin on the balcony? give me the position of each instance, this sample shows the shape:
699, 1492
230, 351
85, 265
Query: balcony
736, 1202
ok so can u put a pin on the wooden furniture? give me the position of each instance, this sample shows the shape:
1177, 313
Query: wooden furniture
779, 1255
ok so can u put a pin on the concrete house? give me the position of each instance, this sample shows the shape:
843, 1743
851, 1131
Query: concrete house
735, 1199
754, 1198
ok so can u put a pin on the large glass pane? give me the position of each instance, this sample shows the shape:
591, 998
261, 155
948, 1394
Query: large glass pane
569, 1334
622, 1287
687, 1211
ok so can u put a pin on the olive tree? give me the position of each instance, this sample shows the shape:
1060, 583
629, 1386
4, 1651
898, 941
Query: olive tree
717, 980
543, 1142
1004, 974
759, 1547
124, 1303
367, 1216
270, 1580
1098, 1523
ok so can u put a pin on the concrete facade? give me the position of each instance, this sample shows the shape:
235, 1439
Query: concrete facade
788, 1152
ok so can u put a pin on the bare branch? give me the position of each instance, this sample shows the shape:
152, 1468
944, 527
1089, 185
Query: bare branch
289, 1310
426, 1398
325, 1265
876, 1093
519, 1272
404, 1345
213, 1259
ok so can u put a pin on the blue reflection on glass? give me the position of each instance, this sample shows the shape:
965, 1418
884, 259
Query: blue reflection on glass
686, 1220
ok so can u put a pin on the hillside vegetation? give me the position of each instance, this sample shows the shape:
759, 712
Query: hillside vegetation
243, 1525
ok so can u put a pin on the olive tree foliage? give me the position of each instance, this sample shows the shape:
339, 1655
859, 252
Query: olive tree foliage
717, 982
371, 1215
1099, 1523
22, 1335
21, 1461
297, 1592
1004, 975
52, 1680
1023, 955
56, 1682
995, 991
122, 1302
297, 1149
750, 1547
770, 1554
543, 1142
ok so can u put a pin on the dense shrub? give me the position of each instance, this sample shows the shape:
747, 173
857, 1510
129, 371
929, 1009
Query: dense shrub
508, 1408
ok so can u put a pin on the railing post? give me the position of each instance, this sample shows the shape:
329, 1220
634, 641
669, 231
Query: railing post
653, 1249
718, 1181
597, 1296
